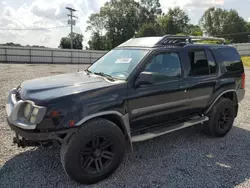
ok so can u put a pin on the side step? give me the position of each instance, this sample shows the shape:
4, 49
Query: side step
164, 130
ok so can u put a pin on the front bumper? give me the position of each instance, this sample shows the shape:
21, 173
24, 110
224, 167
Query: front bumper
41, 136
27, 134
26, 138
13, 108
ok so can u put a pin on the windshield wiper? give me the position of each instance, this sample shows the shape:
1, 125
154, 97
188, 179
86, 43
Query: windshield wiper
88, 71
105, 75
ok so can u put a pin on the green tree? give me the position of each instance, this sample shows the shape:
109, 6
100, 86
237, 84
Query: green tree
97, 42
96, 23
224, 23
120, 18
65, 42
179, 18
194, 30
149, 11
175, 21
248, 27
166, 25
148, 30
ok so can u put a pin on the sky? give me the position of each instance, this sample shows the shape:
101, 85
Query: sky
21, 14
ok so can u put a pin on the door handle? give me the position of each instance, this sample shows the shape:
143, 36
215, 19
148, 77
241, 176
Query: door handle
184, 86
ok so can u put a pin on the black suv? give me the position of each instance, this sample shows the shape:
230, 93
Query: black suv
144, 88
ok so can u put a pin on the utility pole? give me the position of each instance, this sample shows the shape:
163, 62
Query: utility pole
72, 23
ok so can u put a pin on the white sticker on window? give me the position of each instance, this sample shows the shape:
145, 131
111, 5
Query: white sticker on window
123, 60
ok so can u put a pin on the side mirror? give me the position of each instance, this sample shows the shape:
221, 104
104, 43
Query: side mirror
145, 78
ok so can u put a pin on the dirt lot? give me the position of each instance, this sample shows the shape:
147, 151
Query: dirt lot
182, 159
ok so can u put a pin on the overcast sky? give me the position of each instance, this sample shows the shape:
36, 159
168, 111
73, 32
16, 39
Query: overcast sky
52, 13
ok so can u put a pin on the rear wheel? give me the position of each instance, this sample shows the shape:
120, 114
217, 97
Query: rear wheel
93, 153
221, 118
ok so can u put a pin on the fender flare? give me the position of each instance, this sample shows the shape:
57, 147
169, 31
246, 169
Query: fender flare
218, 97
123, 118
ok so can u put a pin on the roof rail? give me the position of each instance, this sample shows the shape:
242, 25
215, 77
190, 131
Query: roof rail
176, 40
200, 38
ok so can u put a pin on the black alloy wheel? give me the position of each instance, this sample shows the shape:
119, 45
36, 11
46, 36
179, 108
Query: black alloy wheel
221, 118
94, 152
97, 155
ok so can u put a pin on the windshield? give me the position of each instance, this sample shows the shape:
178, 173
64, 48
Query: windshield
118, 63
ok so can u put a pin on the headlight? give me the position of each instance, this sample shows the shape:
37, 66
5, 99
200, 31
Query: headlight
35, 111
33, 119
27, 110
33, 115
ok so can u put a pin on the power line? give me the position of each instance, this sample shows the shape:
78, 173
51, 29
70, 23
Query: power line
31, 29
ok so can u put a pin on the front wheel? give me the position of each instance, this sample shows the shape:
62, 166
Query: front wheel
93, 153
221, 118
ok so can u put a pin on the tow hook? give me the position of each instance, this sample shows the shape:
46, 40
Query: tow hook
23, 142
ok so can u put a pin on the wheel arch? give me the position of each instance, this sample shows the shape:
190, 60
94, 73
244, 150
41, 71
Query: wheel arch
122, 121
230, 94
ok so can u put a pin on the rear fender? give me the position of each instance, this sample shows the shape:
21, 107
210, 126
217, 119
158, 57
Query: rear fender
218, 97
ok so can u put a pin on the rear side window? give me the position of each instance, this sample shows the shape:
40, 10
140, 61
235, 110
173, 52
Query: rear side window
199, 63
230, 58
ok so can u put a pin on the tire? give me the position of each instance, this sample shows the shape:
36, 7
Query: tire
93, 153
221, 118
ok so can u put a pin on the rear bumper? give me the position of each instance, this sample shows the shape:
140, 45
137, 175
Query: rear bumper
240, 94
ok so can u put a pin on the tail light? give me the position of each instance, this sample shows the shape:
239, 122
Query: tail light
243, 80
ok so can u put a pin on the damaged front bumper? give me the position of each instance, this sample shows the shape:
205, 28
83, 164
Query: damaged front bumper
25, 138
26, 132
15, 108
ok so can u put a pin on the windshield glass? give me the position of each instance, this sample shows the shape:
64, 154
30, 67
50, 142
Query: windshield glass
118, 63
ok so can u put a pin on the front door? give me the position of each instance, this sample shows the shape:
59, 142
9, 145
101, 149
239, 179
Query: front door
163, 101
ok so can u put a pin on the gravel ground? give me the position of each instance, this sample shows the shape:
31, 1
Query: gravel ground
186, 158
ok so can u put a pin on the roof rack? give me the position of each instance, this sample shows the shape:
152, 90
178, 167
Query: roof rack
175, 40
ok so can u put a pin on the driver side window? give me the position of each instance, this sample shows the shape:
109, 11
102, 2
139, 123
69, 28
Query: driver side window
164, 67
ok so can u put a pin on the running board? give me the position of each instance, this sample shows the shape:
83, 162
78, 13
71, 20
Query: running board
164, 130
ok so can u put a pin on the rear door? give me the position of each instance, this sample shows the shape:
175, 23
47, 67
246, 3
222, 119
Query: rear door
202, 78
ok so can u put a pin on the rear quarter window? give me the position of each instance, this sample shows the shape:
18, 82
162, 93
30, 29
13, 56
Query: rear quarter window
229, 58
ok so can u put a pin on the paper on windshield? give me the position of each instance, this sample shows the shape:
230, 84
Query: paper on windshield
123, 60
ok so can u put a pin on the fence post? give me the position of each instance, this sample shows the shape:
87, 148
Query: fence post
6, 56
71, 56
90, 57
30, 54
52, 56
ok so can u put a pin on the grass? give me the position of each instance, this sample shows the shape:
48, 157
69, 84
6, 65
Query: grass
246, 61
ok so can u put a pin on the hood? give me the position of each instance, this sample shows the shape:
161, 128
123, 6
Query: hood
60, 85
